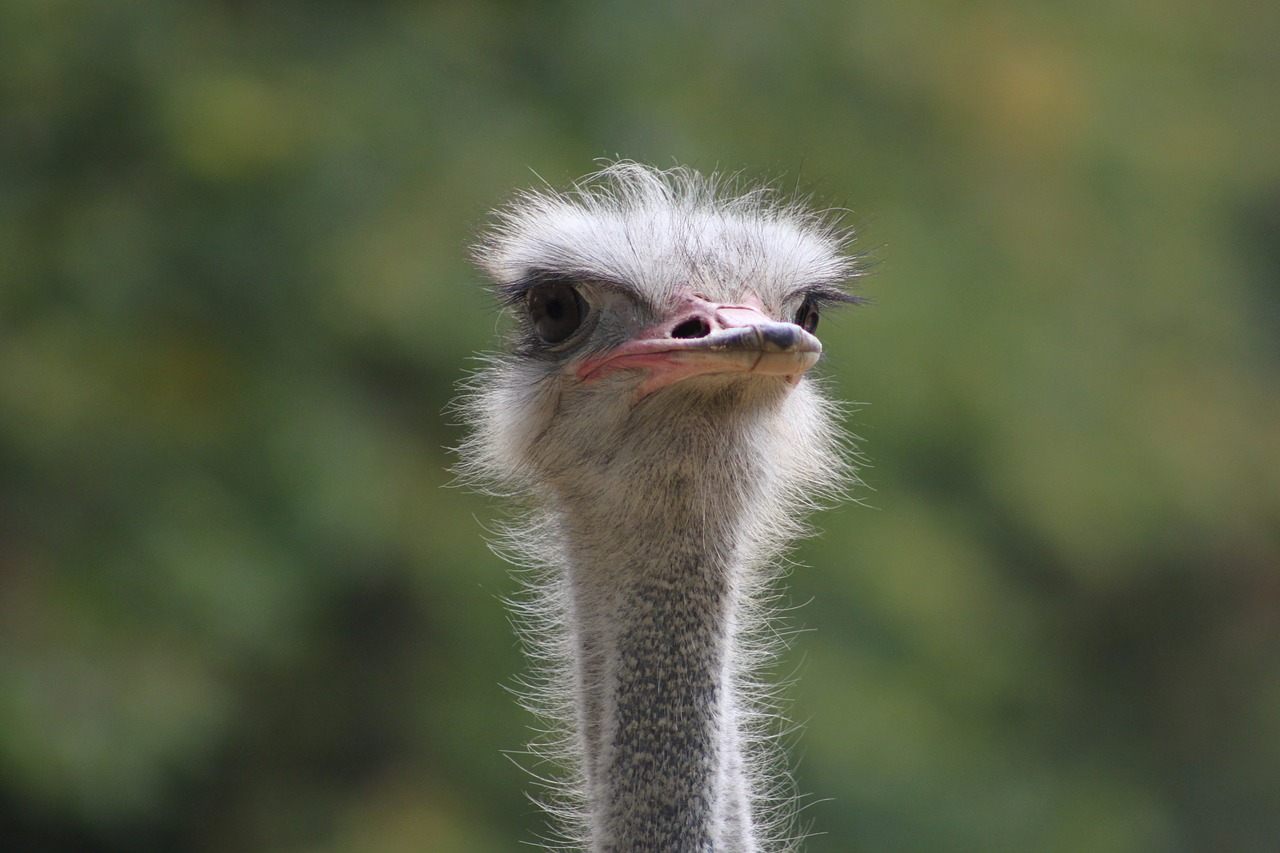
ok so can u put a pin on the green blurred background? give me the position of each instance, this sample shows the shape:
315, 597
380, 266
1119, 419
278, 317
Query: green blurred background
241, 608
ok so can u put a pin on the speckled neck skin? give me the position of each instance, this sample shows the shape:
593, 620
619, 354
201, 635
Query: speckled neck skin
664, 518
655, 614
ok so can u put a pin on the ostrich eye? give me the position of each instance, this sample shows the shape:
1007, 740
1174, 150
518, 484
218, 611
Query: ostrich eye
556, 310
807, 315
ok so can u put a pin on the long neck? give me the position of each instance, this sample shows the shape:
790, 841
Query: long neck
656, 605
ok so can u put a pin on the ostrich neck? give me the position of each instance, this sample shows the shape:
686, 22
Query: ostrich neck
656, 604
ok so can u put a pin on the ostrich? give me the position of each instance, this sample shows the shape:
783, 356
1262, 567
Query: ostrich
653, 410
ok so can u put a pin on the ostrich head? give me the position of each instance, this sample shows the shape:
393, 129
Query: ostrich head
641, 281
654, 403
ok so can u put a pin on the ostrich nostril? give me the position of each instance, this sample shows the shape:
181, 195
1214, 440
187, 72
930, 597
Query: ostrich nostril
694, 327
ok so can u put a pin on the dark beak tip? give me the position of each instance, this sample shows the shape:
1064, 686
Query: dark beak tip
784, 336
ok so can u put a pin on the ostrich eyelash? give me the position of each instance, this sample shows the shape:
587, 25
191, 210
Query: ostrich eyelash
515, 293
824, 296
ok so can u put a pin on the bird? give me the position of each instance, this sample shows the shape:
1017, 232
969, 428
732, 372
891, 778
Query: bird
652, 415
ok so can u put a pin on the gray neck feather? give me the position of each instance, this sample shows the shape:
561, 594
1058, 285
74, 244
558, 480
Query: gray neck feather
654, 620
655, 527
658, 570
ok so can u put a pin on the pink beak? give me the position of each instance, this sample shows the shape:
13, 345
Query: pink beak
708, 337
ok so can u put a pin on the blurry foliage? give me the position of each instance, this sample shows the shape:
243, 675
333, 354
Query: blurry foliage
240, 607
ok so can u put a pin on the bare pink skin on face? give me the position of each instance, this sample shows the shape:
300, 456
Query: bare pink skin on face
707, 337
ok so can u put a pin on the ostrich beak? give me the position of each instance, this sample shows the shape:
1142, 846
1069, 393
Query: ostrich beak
707, 338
